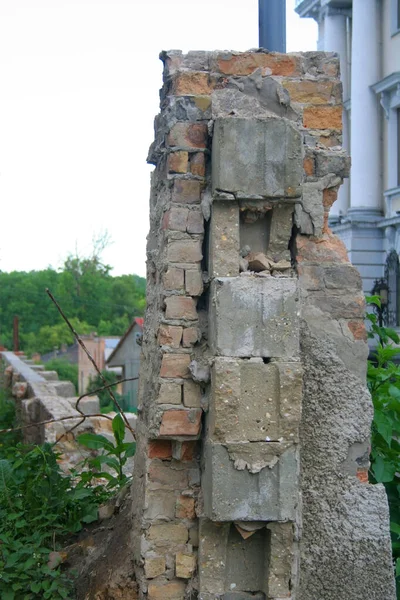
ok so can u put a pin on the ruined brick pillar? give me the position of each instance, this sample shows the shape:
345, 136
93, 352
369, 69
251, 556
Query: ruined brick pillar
253, 432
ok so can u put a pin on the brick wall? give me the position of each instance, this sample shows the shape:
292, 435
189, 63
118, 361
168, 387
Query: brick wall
232, 485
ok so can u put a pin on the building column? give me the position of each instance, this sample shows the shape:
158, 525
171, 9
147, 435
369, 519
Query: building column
335, 40
366, 203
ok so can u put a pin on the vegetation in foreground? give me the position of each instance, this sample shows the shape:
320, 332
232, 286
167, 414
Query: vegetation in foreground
383, 379
41, 507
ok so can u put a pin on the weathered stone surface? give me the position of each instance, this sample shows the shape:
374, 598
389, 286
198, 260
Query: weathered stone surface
323, 117
191, 394
170, 393
337, 407
188, 135
166, 590
231, 494
313, 92
224, 240
168, 533
185, 565
154, 565
193, 282
173, 279
178, 162
280, 232
186, 191
257, 262
184, 251
270, 165
160, 505
252, 97
309, 214
245, 63
213, 538
185, 508
244, 323
281, 559
170, 335
180, 307
253, 401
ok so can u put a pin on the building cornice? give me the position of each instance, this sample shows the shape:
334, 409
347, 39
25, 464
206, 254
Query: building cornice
387, 84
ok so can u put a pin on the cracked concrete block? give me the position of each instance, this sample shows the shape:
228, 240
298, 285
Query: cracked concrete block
280, 560
309, 214
213, 539
280, 232
256, 158
254, 316
224, 240
232, 492
253, 401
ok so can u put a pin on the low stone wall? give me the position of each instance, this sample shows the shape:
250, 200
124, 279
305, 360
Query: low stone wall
40, 396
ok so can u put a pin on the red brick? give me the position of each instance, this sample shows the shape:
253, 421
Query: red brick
198, 164
247, 62
190, 337
188, 135
362, 474
309, 165
174, 279
185, 508
176, 219
175, 365
323, 117
186, 191
358, 330
181, 422
178, 162
162, 474
327, 248
160, 449
329, 197
188, 451
193, 282
184, 251
180, 307
193, 83
170, 335
195, 222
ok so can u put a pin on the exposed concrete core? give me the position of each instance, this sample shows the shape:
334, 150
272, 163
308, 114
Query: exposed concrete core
254, 418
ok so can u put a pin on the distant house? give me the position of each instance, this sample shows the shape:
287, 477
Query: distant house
127, 355
100, 348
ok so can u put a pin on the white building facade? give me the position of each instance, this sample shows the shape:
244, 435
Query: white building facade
366, 216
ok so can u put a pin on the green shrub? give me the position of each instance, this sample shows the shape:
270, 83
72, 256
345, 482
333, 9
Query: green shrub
383, 379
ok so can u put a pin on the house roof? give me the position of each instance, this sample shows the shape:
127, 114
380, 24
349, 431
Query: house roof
136, 321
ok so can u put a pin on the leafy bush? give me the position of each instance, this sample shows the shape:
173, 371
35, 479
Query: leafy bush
383, 379
40, 506
66, 370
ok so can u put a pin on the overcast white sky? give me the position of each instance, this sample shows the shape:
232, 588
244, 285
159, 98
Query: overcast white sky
79, 83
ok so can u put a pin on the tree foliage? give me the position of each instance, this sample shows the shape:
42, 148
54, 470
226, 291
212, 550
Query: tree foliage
86, 290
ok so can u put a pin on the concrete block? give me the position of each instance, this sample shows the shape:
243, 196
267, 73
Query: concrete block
50, 375
232, 493
280, 232
253, 401
213, 539
254, 316
224, 240
65, 389
257, 158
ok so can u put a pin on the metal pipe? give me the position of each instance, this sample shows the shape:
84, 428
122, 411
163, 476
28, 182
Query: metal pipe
272, 25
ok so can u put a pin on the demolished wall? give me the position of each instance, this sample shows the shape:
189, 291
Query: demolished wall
253, 433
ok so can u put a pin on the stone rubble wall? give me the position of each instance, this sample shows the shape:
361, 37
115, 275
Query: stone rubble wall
39, 396
251, 475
